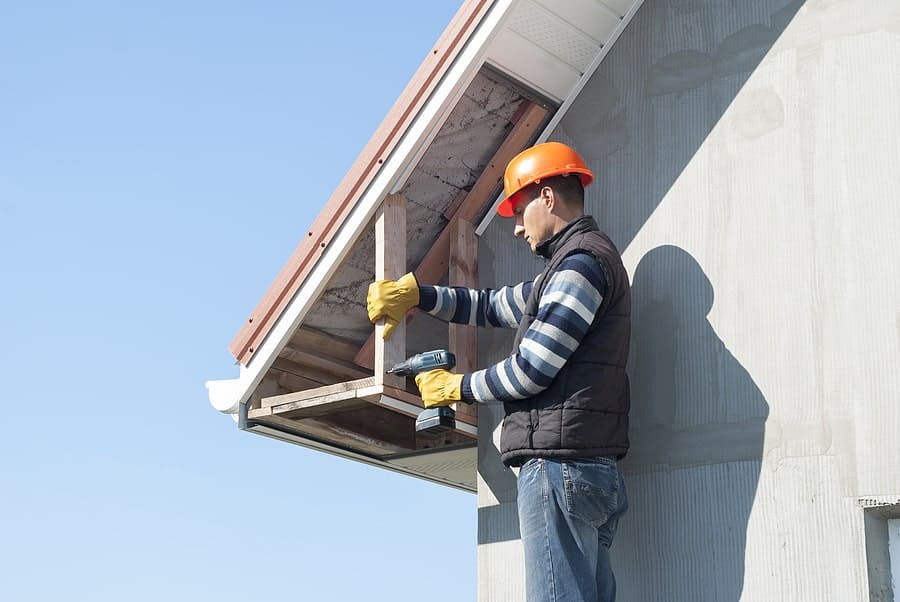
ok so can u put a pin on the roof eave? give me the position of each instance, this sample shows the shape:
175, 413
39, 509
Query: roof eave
392, 152
452, 56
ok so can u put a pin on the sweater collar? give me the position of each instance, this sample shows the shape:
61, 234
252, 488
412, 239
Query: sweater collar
546, 248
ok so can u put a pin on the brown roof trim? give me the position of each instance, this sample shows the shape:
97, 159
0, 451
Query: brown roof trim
361, 173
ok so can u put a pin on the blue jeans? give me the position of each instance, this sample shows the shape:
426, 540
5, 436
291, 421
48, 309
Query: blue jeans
568, 513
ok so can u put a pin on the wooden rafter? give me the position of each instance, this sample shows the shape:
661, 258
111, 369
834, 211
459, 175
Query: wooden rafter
390, 264
311, 339
463, 338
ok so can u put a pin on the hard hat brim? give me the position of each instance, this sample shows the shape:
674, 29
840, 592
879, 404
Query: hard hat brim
508, 205
505, 209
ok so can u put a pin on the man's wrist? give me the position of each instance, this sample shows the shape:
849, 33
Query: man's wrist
427, 298
465, 388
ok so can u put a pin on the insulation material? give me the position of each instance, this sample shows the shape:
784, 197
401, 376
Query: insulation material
459, 153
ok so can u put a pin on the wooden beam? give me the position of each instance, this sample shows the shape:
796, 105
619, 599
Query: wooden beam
345, 414
464, 272
325, 405
436, 261
343, 370
351, 386
390, 264
310, 339
295, 377
357, 415
363, 389
304, 374
292, 382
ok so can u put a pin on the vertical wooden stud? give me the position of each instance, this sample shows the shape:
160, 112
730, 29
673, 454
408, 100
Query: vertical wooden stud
464, 272
390, 264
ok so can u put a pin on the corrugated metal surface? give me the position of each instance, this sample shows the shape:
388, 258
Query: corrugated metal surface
746, 164
666, 557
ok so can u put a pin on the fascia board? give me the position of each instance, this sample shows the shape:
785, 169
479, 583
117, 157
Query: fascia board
227, 395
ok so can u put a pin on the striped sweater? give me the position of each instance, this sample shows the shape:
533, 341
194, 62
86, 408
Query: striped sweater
565, 312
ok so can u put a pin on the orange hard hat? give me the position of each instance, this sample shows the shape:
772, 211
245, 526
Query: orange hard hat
536, 163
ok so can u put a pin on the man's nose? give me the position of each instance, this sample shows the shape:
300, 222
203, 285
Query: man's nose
518, 230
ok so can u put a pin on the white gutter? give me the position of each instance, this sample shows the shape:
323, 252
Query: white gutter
227, 395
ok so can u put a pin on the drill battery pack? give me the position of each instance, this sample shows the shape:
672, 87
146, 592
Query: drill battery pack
434, 422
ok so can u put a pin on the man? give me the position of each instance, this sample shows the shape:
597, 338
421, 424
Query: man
564, 386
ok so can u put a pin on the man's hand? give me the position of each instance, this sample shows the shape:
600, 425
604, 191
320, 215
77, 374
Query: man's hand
391, 299
439, 387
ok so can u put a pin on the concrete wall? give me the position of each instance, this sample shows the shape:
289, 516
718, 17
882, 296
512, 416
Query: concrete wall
747, 163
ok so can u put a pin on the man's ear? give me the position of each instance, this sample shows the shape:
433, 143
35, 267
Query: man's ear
548, 197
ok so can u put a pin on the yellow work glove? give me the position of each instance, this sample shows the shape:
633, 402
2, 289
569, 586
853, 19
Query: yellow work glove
391, 299
439, 387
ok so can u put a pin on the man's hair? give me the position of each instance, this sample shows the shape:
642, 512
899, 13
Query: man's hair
568, 188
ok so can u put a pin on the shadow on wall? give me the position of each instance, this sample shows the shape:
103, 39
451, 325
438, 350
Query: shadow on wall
698, 418
697, 434
653, 101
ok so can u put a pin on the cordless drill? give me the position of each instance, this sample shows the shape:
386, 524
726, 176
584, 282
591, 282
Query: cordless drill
432, 421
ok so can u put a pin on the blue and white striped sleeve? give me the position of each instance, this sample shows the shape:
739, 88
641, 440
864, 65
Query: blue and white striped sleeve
502, 307
567, 308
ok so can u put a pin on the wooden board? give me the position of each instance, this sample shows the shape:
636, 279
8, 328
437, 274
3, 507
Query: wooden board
358, 415
310, 339
352, 387
390, 264
463, 339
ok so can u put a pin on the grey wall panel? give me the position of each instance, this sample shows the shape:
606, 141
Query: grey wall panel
755, 222
746, 157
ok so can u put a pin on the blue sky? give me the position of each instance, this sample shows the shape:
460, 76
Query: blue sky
159, 162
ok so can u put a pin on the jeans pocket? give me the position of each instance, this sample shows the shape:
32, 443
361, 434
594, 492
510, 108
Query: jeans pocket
592, 491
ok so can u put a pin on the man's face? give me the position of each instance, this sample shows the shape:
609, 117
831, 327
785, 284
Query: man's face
533, 218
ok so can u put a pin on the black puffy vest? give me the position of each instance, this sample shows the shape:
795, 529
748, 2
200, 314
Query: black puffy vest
584, 412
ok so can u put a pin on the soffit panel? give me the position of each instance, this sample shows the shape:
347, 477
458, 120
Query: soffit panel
549, 45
